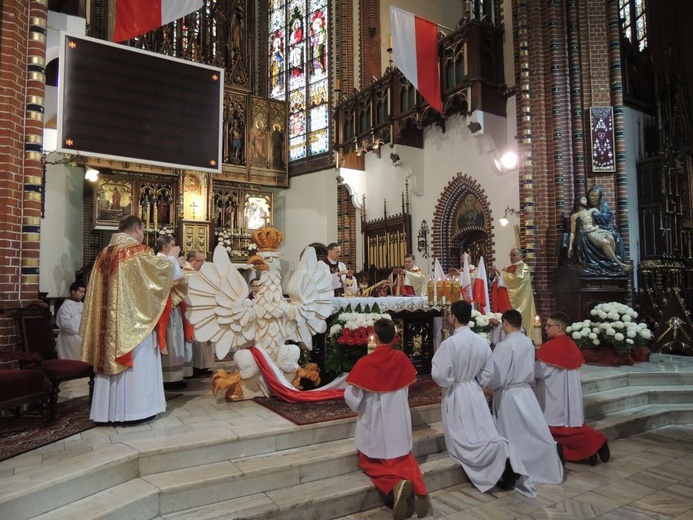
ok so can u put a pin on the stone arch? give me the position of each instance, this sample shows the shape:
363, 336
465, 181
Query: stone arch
462, 225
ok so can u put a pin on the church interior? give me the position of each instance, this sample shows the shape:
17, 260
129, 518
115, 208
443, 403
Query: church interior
564, 133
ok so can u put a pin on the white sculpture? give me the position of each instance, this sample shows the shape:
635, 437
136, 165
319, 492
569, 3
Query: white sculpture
220, 311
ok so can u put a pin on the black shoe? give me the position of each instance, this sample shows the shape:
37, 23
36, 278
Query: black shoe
176, 385
509, 478
592, 460
559, 449
198, 372
604, 452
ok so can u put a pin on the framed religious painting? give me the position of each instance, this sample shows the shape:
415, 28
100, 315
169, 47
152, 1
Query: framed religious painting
257, 210
112, 201
603, 146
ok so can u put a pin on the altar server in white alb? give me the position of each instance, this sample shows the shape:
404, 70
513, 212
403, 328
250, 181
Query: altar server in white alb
462, 365
516, 410
378, 390
69, 317
176, 359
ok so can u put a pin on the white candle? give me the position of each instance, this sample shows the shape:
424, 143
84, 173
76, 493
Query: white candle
536, 336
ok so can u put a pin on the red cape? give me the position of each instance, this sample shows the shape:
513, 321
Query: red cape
383, 370
562, 352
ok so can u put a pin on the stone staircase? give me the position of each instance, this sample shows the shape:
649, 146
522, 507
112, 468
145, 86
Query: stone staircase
307, 472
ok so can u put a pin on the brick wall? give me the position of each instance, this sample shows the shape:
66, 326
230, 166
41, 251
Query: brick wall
568, 56
370, 40
22, 86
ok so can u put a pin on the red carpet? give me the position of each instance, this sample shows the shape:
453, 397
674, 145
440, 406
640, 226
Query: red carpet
27, 432
421, 393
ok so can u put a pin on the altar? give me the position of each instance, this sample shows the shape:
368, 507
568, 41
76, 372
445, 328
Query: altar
418, 324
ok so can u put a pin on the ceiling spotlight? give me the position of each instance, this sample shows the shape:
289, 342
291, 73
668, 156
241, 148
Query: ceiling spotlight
91, 174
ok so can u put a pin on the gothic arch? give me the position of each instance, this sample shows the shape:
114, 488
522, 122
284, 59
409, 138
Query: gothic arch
462, 222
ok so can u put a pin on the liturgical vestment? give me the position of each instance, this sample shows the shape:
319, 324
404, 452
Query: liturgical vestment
128, 290
460, 364
517, 413
559, 393
378, 389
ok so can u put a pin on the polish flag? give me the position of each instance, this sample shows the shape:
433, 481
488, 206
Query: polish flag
466, 281
415, 52
135, 17
481, 288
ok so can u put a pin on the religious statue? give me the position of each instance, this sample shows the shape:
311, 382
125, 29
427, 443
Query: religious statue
592, 237
277, 147
218, 304
115, 199
259, 145
236, 156
103, 204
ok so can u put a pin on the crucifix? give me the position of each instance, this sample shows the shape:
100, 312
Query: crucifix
193, 205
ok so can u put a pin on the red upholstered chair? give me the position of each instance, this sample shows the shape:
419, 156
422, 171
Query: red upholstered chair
35, 335
19, 387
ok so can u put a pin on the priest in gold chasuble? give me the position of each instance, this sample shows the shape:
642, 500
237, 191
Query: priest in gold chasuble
127, 293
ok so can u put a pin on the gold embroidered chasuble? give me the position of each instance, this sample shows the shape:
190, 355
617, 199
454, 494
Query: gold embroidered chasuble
519, 284
127, 292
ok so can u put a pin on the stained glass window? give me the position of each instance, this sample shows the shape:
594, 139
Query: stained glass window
298, 35
633, 15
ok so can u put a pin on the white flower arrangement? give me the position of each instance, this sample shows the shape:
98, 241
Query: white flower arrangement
481, 323
614, 324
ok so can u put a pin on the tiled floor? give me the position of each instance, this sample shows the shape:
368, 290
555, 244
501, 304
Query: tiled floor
650, 476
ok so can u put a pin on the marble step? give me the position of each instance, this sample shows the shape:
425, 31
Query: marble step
132, 500
602, 403
198, 448
235, 478
631, 421
592, 384
321, 499
39, 490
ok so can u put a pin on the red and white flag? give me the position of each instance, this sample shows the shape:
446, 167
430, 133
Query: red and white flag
466, 281
415, 52
481, 288
135, 17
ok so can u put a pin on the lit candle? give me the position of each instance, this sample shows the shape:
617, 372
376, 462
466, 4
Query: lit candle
390, 41
536, 335
371, 343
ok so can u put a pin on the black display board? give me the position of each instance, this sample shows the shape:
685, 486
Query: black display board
126, 104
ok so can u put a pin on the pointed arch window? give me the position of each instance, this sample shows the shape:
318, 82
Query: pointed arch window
633, 15
298, 44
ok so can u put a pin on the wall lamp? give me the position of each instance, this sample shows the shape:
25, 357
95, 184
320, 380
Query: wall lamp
508, 211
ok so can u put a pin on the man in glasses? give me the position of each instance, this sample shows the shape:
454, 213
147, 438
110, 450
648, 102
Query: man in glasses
559, 393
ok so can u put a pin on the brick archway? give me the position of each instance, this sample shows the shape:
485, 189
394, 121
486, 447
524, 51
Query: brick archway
460, 225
